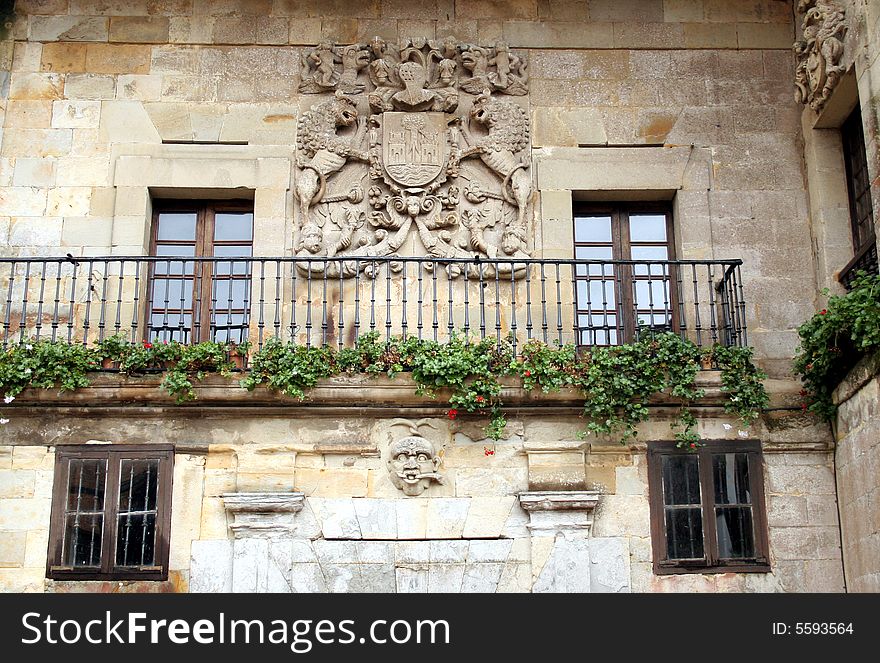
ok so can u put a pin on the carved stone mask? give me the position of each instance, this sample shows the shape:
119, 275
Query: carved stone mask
412, 464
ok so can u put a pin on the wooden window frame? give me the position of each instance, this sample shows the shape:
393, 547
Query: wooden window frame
114, 454
206, 212
711, 562
621, 249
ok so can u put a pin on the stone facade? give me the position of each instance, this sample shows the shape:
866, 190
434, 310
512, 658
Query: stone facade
105, 105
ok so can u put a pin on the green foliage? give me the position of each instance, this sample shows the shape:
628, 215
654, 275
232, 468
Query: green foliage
616, 382
46, 365
834, 339
289, 368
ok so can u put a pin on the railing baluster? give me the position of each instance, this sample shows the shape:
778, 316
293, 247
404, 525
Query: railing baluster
293, 302
309, 305
513, 305
39, 322
697, 326
357, 299
743, 336
558, 305
387, 301
117, 323
528, 302
450, 325
341, 325
261, 305
436, 322
403, 324
135, 313
7, 318
482, 288
544, 326
276, 326
712, 316
102, 320
89, 289
374, 274
70, 312
55, 313
419, 324
22, 321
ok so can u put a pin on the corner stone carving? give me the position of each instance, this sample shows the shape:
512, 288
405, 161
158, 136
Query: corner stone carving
819, 51
413, 139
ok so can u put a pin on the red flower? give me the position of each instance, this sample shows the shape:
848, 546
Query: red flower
528, 374
809, 367
803, 407
480, 399
693, 445
452, 414
147, 345
488, 452
823, 311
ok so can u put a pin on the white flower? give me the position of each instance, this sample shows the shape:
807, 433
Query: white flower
28, 346
27, 371
8, 399
4, 421
743, 433
727, 426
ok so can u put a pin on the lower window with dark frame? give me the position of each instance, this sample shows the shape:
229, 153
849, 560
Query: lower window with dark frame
707, 508
111, 512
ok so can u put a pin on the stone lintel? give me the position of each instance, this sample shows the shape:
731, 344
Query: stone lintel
262, 515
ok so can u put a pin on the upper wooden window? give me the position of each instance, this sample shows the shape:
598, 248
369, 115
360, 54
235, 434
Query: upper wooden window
614, 301
707, 508
858, 183
111, 512
201, 300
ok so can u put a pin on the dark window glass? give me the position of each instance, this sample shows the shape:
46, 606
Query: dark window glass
858, 181
707, 508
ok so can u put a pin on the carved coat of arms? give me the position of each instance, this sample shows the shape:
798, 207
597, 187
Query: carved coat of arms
819, 51
415, 138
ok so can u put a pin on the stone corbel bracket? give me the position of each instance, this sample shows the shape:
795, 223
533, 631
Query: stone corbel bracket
559, 511
262, 515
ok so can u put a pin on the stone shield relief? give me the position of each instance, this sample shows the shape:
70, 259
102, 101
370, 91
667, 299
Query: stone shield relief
415, 149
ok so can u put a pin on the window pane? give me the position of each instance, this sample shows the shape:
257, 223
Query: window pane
736, 539
174, 292
652, 294
171, 327
233, 226
647, 227
592, 229
596, 295
136, 539
177, 226
731, 476
684, 533
82, 537
681, 479
231, 293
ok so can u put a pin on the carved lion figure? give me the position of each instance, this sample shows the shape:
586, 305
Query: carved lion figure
508, 127
321, 151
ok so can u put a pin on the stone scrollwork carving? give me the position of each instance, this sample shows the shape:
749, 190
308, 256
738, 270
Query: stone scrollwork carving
412, 113
819, 52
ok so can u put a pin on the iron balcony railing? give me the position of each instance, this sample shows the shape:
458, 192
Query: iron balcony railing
332, 301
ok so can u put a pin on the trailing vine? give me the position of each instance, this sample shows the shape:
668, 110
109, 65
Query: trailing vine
616, 382
834, 339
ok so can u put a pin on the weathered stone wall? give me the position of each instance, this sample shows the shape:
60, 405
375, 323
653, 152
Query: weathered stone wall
858, 459
352, 513
100, 91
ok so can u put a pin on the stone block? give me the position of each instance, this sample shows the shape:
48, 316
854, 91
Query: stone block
139, 87
496, 550
800, 479
556, 470
764, 35
69, 28
307, 578
250, 565
567, 567
563, 34
211, 567
17, 483
34, 172
630, 481
411, 580
448, 552
567, 127
18, 513
89, 86
37, 143
126, 122
610, 565
647, 35
22, 580
68, 201
377, 518
76, 114
235, 30
139, 29
476, 9
12, 546
622, 515
337, 517
213, 523
481, 578
412, 518
63, 57
83, 171
446, 517
29, 113
332, 482
787, 511
501, 481
487, 516
39, 7
709, 35
341, 30
36, 547
118, 59
445, 578
303, 30
26, 85
6, 457
186, 507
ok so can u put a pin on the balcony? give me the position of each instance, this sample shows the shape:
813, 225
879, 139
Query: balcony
332, 301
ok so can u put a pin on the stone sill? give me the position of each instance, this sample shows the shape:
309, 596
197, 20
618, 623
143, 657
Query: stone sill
863, 372
359, 392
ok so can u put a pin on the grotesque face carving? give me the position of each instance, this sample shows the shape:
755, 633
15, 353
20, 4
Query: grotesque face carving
413, 464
